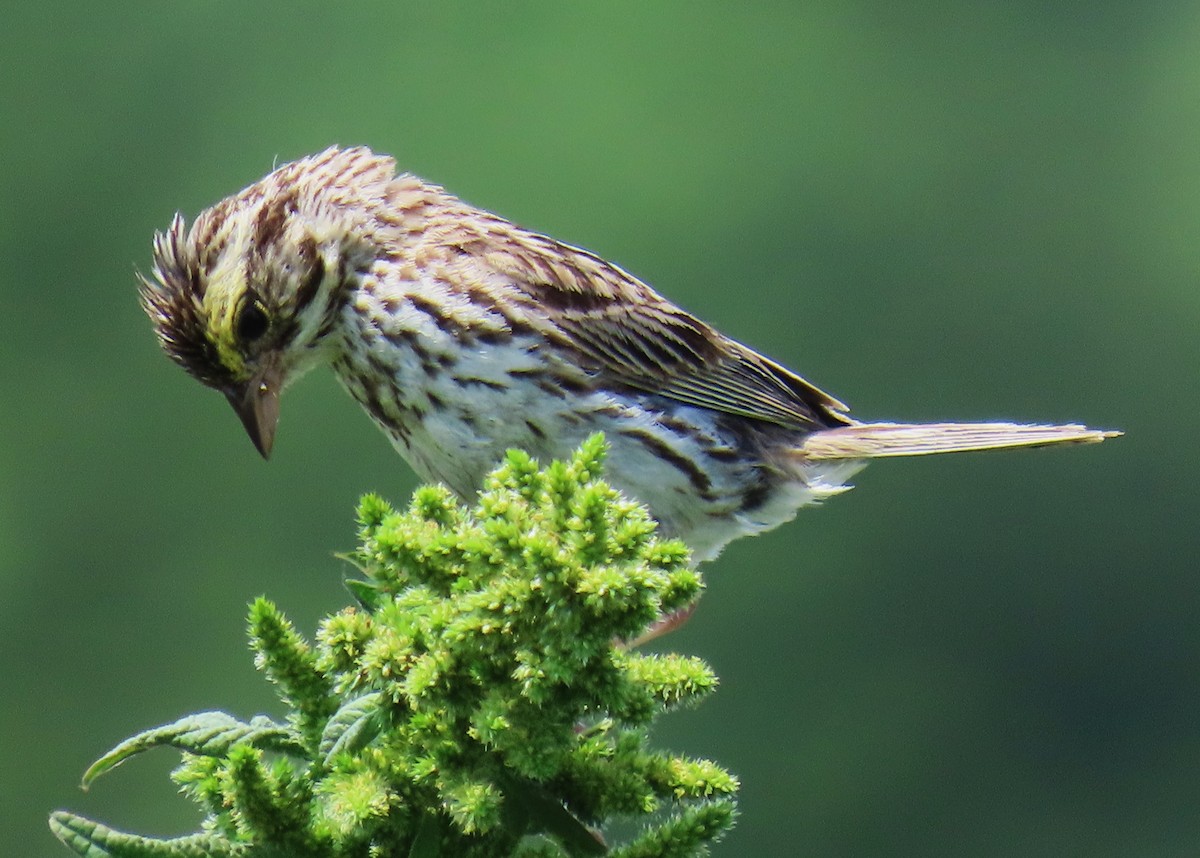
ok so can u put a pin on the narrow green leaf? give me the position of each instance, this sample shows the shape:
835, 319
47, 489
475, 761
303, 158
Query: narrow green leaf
94, 840
209, 734
365, 593
353, 726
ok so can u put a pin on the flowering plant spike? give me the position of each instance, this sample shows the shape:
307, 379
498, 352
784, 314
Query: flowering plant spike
477, 701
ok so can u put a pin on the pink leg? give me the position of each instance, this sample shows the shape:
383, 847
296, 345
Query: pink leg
664, 624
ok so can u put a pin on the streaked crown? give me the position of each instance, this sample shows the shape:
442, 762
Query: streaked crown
257, 273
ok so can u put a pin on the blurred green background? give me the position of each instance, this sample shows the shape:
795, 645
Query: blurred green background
933, 210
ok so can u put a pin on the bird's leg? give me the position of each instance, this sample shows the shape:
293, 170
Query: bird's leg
664, 624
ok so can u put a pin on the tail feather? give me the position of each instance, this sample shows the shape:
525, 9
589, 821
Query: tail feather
878, 440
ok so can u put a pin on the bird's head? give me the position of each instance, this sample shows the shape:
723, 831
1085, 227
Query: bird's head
249, 296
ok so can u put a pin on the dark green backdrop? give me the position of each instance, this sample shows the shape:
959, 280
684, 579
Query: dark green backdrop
934, 210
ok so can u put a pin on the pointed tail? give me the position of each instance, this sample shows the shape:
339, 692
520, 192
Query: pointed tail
877, 440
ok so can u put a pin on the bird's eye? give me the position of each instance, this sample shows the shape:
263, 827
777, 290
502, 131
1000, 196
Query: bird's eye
252, 320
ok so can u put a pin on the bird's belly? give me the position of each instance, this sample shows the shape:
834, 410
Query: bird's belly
453, 421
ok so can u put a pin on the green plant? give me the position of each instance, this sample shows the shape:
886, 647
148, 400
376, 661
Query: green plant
478, 700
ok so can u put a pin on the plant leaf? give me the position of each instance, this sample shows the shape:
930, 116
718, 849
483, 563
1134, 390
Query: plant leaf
353, 726
367, 594
428, 842
94, 840
209, 734
546, 814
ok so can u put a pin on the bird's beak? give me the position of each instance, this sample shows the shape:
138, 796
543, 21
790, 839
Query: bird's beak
256, 401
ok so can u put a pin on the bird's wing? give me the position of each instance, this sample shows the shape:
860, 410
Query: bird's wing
629, 334
664, 350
